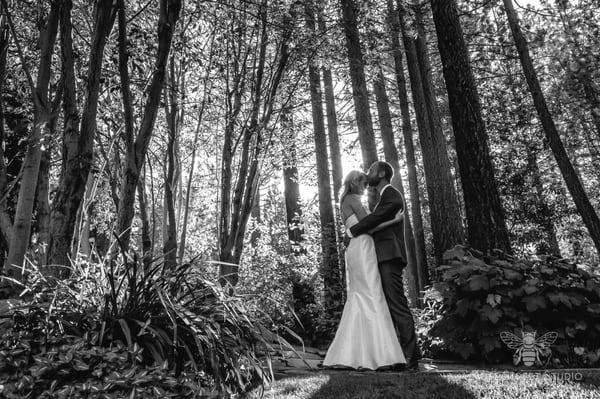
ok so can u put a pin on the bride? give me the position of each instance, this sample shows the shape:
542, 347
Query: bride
365, 338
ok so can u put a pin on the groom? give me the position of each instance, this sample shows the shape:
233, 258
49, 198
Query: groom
391, 256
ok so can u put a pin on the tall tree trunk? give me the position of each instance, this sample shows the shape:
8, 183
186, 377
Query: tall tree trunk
291, 187
78, 140
169, 14
81, 245
21, 230
550, 245
43, 205
485, 216
332, 124
415, 200
360, 94
329, 262
391, 155
146, 237
580, 68
255, 214
5, 218
440, 194
334, 147
172, 112
447, 203
582, 202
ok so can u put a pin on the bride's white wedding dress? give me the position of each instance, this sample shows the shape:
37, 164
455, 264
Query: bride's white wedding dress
365, 337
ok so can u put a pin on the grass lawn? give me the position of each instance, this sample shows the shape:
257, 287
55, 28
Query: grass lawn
462, 385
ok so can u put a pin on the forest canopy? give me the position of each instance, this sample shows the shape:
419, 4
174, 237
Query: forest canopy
221, 131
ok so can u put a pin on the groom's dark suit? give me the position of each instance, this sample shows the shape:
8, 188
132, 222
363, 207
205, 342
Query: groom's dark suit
391, 257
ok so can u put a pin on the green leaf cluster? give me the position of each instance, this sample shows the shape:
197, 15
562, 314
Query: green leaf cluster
481, 295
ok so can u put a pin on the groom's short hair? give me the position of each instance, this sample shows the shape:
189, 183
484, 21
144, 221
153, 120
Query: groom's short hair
385, 167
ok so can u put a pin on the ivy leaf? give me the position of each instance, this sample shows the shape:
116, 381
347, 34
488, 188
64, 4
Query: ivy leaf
546, 270
594, 308
450, 275
534, 303
462, 306
477, 283
458, 252
581, 325
530, 287
490, 343
560, 298
570, 331
491, 314
464, 350
493, 300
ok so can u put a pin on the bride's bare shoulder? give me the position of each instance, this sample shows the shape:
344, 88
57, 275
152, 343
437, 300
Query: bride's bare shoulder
351, 199
352, 204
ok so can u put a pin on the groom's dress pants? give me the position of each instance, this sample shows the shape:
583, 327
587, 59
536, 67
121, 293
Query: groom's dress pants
393, 289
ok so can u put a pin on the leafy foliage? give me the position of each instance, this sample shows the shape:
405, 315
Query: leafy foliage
480, 296
138, 331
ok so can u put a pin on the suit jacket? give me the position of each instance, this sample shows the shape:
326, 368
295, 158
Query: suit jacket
389, 242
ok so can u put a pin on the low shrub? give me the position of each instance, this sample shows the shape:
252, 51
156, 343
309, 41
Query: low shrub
479, 296
114, 329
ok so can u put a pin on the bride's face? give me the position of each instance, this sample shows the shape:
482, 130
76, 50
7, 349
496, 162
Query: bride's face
361, 185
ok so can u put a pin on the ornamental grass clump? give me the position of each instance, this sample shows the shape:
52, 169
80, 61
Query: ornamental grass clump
122, 328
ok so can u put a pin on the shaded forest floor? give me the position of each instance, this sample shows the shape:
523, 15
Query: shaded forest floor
464, 384
303, 379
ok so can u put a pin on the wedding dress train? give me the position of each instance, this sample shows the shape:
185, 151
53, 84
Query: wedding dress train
365, 337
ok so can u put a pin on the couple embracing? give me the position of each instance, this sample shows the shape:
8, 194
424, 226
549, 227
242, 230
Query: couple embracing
376, 329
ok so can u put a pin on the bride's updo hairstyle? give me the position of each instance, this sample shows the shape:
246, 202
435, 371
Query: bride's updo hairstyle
352, 183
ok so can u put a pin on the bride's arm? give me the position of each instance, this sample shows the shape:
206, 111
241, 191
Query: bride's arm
397, 219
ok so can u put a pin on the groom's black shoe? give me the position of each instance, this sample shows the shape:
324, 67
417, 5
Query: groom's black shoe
397, 367
412, 365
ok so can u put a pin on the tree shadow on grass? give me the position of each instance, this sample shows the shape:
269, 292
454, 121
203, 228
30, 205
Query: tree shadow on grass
587, 380
384, 385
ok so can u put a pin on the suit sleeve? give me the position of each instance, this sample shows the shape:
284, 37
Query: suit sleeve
386, 210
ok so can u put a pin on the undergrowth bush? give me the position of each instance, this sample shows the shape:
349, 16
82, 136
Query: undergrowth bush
287, 286
127, 329
479, 296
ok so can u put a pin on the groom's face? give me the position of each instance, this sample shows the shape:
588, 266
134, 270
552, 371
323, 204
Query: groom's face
373, 177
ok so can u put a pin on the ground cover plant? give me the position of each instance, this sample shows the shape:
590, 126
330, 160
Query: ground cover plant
130, 329
480, 296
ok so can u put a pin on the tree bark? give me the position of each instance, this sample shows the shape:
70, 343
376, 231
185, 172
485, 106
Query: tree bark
146, 236
582, 202
329, 262
78, 139
409, 150
43, 206
448, 204
31, 163
332, 123
169, 14
171, 111
440, 189
291, 188
485, 216
360, 94
391, 155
